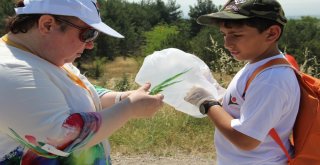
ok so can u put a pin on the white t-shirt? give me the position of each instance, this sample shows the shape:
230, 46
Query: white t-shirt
271, 101
36, 99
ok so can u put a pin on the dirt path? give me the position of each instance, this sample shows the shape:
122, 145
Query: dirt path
153, 160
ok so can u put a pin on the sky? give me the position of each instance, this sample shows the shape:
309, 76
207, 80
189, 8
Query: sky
292, 8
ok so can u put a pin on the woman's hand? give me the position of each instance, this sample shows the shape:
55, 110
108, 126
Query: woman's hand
143, 104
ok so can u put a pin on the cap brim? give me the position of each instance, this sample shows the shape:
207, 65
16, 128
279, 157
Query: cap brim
102, 27
212, 19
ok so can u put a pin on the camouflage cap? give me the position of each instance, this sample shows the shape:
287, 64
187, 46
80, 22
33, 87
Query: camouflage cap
244, 9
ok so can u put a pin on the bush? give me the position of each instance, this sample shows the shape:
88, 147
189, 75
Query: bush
123, 84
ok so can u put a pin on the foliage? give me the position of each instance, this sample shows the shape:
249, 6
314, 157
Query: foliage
202, 41
139, 21
156, 37
108, 46
202, 7
132, 20
311, 65
224, 64
180, 39
123, 84
300, 34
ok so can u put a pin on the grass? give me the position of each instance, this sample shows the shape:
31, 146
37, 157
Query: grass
115, 70
168, 133
120, 66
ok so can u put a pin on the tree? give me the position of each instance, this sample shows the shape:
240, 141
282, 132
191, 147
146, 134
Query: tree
300, 34
173, 11
132, 20
157, 36
201, 8
181, 39
201, 43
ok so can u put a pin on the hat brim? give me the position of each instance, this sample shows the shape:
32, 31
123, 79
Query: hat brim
102, 27
212, 19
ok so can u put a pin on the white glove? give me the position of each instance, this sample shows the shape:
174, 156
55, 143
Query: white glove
198, 95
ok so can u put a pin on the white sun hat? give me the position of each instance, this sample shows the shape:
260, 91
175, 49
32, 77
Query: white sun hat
86, 10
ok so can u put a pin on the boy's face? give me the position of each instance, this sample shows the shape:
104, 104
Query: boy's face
245, 43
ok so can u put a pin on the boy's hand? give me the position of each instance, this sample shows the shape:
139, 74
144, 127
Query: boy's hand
197, 96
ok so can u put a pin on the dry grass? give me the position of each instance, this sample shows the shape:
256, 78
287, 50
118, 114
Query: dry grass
115, 71
120, 66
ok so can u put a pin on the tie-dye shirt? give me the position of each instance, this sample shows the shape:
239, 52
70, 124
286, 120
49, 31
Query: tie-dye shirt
45, 116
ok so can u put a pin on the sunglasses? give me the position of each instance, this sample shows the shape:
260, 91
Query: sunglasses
86, 34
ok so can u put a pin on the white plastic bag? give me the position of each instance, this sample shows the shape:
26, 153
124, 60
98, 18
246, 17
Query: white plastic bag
161, 65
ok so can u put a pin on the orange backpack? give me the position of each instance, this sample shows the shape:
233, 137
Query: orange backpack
306, 130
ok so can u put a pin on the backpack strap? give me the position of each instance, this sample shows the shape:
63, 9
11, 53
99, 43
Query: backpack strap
275, 136
274, 62
277, 61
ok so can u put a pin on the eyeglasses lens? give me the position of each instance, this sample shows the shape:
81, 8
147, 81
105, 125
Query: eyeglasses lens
89, 35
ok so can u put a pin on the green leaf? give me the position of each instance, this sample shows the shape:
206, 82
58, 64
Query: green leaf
168, 82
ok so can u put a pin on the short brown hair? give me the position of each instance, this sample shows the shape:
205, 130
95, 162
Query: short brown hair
22, 23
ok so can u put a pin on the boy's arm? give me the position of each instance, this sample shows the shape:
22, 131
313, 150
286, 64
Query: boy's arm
222, 121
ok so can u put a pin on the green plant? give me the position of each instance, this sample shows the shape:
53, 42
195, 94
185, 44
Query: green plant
168, 82
225, 64
98, 66
123, 84
311, 65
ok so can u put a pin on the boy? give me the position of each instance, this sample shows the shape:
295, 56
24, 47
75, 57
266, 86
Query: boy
251, 30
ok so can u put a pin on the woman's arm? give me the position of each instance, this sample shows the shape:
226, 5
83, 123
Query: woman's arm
138, 104
110, 98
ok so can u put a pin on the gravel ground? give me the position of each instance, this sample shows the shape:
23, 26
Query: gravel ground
155, 160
